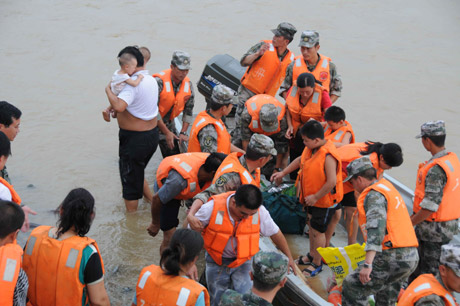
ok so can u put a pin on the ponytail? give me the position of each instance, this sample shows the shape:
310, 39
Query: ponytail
391, 152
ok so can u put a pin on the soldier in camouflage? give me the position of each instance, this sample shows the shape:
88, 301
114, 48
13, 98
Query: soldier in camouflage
169, 136
309, 46
433, 234
269, 270
384, 270
261, 149
422, 292
269, 123
283, 35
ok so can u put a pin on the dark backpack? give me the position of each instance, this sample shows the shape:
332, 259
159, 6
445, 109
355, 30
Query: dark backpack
286, 211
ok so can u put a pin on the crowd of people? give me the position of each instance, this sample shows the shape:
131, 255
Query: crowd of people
217, 174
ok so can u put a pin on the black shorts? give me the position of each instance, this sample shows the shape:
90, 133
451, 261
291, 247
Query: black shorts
135, 150
320, 217
168, 215
349, 199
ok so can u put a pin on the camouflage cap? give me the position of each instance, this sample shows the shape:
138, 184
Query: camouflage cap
286, 30
222, 94
450, 256
262, 144
181, 59
309, 39
432, 128
357, 166
269, 117
270, 267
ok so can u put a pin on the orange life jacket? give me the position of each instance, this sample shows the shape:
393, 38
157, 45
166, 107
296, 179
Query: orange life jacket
53, 268
232, 164
266, 74
349, 153
220, 229
10, 264
154, 287
321, 72
253, 106
449, 208
339, 134
187, 164
312, 175
169, 99
400, 231
14, 195
223, 137
424, 285
335, 296
302, 113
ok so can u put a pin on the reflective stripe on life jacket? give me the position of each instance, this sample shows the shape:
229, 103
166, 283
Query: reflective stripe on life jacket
400, 232
168, 98
232, 164
154, 287
14, 195
10, 264
188, 165
265, 75
339, 134
53, 268
223, 137
424, 285
449, 208
321, 71
220, 229
302, 113
349, 153
254, 104
312, 175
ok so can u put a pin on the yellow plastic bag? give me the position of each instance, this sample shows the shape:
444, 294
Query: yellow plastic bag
343, 260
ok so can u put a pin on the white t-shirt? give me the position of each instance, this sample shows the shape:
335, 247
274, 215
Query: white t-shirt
118, 82
268, 227
5, 193
142, 100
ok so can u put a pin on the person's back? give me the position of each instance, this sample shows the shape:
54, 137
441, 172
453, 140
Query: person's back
65, 267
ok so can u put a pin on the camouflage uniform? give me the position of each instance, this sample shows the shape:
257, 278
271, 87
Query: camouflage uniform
432, 235
284, 29
281, 142
311, 38
268, 268
231, 180
187, 113
391, 267
4, 175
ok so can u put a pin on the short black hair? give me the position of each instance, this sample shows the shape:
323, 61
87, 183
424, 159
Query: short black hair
306, 80
261, 286
334, 114
5, 145
437, 140
248, 196
312, 129
213, 161
253, 155
370, 174
134, 50
216, 106
11, 218
8, 112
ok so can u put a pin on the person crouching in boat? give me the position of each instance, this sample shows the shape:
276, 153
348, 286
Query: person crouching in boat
429, 289
168, 284
63, 265
320, 186
383, 157
233, 222
391, 244
306, 100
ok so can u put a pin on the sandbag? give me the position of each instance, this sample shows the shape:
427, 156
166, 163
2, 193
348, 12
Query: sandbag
286, 211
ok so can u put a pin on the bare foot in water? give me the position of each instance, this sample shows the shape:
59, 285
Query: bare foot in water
106, 115
153, 229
